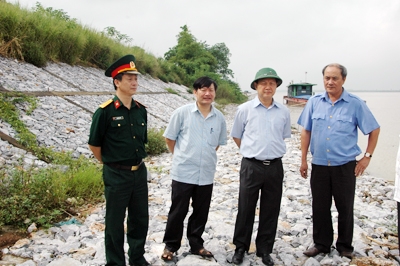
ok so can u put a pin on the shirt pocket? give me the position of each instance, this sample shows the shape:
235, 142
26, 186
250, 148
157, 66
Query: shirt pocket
118, 128
213, 137
345, 123
318, 120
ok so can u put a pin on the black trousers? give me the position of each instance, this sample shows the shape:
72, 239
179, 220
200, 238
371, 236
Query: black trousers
338, 182
180, 197
125, 190
256, 177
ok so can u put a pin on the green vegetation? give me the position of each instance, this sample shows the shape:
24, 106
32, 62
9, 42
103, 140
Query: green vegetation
172, 91
44, 196
156, 144
9, 113
46, 34
41, 196
198, 59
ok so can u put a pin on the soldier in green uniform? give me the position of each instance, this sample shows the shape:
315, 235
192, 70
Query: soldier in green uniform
117, 137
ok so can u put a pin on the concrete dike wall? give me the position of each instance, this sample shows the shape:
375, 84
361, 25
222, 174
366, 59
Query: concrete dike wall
67, 97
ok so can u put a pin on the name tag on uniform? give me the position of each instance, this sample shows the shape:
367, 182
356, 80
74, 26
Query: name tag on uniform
118, 118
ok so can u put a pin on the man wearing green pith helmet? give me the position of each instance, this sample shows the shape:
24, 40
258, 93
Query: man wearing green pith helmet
259, 129
117, 137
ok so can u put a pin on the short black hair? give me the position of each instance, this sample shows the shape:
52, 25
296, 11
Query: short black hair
204, 82
118, 77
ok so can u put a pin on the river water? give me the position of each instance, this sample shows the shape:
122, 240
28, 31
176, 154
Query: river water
386, 109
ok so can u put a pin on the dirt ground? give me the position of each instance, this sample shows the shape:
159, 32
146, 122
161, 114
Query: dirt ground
8, 237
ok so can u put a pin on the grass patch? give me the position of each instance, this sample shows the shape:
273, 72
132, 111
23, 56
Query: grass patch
43, 196
170, 90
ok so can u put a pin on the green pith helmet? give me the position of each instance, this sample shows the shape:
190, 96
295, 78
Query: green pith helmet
264, 73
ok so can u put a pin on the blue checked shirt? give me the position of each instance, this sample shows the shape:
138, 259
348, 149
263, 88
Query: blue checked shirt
262, 130
334, 126
195, 158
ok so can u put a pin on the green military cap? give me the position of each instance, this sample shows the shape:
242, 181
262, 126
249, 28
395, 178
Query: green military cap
125, 64
265, 73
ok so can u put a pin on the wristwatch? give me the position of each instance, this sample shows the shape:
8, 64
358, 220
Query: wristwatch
368, 155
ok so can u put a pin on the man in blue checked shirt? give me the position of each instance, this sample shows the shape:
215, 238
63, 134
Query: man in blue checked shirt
193, 135
330, 122
259, 129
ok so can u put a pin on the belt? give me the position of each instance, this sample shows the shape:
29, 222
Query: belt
265, 162
125, 167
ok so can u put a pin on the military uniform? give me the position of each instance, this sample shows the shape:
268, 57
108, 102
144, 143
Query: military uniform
121, 133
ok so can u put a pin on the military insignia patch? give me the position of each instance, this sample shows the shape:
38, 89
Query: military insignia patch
132, 64
117, 104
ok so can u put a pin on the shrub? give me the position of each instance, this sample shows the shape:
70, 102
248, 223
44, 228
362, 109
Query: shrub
156, 142
33, 53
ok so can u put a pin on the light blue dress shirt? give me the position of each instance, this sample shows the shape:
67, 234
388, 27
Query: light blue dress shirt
262, 130
333, 127
195, 158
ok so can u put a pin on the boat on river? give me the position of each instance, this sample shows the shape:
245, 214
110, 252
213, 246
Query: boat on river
298, 93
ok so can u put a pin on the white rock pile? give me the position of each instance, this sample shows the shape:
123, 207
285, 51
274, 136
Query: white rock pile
62, 122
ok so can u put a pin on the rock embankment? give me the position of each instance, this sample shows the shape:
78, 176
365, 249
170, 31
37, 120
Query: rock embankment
63, 122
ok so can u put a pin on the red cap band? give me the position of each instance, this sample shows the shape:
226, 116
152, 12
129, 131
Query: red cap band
123, 68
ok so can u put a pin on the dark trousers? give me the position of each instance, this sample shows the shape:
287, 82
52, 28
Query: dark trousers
338, 182
125, 189
256, 177
180, 197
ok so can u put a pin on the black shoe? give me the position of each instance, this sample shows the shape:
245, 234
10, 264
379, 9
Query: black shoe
347, 254
311, 252
266, 258
238, 256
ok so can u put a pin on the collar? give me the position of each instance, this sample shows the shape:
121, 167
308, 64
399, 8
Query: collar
345, 96
256, 102
118, 103
196, 109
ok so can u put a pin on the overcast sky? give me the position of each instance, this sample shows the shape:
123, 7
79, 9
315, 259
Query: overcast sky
291, 36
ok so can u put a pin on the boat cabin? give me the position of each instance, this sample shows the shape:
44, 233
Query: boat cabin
300, 90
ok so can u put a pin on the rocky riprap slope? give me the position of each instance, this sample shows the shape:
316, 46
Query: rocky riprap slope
68, 95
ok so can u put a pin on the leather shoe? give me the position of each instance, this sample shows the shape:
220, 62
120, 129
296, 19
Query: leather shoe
266, 258
311, 252
238, 256
347, 254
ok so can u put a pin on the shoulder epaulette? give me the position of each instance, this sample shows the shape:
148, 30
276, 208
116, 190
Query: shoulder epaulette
140, 104
106, 103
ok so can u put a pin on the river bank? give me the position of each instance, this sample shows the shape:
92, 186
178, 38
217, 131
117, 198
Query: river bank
81, 241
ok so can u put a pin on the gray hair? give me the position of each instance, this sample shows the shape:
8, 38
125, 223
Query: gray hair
343, 70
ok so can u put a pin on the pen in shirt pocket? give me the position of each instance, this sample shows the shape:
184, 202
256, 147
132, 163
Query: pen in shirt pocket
211, 131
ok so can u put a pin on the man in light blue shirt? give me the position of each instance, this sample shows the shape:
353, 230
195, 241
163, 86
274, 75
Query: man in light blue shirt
330, 121
193, 136
259, 129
